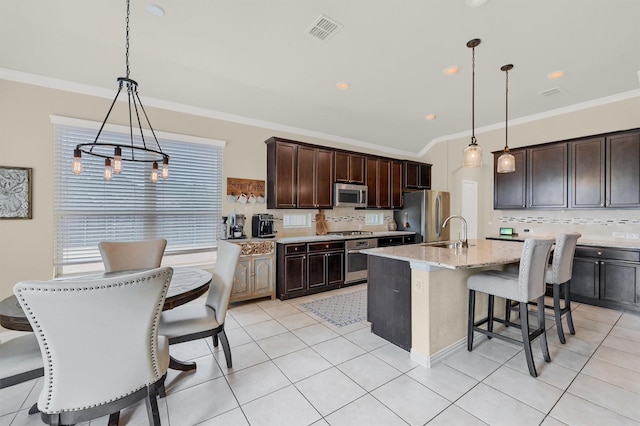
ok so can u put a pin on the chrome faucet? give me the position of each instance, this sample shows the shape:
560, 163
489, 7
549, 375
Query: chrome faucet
463, 242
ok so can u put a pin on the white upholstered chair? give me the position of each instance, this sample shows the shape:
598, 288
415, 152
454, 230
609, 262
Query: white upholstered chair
99, 343
528, 284
20, 360
197, 321
128, 255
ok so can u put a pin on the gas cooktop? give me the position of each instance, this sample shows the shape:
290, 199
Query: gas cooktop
347, 233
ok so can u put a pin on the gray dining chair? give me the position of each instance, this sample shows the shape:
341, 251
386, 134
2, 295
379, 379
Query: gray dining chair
197, 321
130, 255
99, 343
528, 284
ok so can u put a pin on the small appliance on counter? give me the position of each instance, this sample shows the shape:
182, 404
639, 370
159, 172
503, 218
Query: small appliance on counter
236, 226
262, 226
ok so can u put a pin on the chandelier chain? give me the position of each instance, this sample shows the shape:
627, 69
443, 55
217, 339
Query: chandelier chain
127, 41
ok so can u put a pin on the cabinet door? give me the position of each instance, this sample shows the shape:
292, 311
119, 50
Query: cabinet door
281, 175
396, 184
623, 170
425, 176
411, 174
242, 279
372, 181
316, 267
509, 189
547, 176
620, 282
585, 278
335, 268
306, 177
384, 184
349, 168
324, 179
295, 273
587, 169
263, 275
356, 168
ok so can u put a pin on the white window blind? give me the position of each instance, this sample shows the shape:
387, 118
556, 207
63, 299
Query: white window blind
185, 209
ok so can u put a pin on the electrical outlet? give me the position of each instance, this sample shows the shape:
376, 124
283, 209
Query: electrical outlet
633, 235
419, 285
618, 235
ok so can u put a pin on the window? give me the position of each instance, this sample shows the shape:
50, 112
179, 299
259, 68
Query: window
185, 209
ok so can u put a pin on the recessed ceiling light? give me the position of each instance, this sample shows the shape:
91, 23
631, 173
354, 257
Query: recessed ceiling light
555, 74
430, 117
343, 85
155, 10
453, 69
475, 3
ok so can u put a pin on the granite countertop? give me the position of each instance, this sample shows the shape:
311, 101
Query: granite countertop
312, 238
623, 244
479, 254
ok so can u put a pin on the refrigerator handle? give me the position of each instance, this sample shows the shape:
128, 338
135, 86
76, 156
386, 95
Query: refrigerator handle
438, 217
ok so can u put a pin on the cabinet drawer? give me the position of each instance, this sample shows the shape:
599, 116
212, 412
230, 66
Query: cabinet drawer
325, 246
295, 248
608, 253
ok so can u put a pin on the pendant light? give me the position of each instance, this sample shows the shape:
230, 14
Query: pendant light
115, 153
472, 156
506, 162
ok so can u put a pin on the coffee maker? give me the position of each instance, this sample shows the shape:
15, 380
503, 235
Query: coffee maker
236, 226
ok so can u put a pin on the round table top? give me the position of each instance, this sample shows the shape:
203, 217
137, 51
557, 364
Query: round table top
186, 285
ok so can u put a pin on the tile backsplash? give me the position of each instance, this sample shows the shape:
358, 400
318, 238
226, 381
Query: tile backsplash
338, 219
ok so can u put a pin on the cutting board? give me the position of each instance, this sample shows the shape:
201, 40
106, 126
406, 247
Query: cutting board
321, 224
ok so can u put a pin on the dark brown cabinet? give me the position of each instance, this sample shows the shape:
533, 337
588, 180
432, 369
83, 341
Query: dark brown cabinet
623, 170
417, 175
587, 173
349, 167
606, 277
315, 178
509, 189
396, 184
547, 176
282, 179
307, 268
379, 182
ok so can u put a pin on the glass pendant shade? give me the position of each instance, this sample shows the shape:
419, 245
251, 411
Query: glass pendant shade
472, 156
506, 163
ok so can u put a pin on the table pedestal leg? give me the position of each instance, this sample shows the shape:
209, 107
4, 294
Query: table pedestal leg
174, 364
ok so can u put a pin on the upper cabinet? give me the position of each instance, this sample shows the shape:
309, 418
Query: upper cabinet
417, 175
396, 184
379, 182
593, 172
349, 167
282, 179
315, 178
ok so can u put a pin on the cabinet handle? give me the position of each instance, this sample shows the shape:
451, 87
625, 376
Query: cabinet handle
599, 253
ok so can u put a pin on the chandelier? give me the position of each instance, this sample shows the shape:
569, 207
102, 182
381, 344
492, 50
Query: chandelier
115, 154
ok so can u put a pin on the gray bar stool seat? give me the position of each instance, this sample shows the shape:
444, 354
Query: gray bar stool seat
528, 284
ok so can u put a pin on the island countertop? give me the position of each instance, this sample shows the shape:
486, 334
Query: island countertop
480, 253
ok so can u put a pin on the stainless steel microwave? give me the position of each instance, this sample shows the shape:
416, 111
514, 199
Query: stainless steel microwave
349, 195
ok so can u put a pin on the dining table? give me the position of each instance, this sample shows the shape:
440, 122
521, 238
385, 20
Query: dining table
187, 284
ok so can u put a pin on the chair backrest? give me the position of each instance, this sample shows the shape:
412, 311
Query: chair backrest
128, 255
533, 268
222, 280
562, 264
98, 338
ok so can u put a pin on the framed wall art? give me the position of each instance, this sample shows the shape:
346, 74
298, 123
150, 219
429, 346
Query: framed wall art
15, 192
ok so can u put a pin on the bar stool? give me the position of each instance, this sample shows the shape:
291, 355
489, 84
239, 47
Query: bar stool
528, 284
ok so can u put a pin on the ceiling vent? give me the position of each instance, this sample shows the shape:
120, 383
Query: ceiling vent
549, 92
324, 28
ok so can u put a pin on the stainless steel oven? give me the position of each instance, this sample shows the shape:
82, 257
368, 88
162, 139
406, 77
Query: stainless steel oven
356, 266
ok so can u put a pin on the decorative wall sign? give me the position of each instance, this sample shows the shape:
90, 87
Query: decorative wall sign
245, 190
15, 193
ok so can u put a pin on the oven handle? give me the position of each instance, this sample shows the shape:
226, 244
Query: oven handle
353, 251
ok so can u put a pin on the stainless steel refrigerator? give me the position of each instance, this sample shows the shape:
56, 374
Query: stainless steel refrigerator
423, 213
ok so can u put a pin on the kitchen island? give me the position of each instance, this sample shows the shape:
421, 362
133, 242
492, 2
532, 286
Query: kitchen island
417, 294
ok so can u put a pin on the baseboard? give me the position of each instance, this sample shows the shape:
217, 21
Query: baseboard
433, 360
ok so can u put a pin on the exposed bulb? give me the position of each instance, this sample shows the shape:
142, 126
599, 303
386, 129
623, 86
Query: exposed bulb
154, 172
76, 166
108, 171
165, 168
117, 160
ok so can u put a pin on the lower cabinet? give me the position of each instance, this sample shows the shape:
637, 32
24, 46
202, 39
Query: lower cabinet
255, 273
396, 240
307, 268
389, 301
606, 277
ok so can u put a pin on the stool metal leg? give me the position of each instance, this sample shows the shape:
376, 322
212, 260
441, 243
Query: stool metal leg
471, 319
507, 312
543, 336
490, 315
526, 340
557, 312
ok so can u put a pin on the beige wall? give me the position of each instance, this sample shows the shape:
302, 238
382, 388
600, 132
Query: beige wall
447, 173
26, 140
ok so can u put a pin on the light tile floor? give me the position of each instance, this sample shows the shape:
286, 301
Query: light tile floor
293, 368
